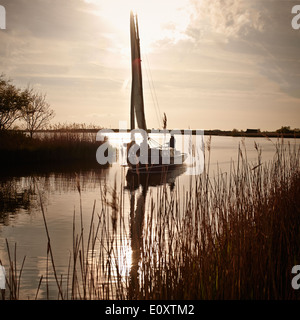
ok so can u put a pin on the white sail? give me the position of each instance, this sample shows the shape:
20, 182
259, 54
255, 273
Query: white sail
137, 100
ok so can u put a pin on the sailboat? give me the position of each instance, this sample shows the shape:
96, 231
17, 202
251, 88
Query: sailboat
155, 157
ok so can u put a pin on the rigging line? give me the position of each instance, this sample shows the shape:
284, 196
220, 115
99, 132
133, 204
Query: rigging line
156, 142
153, 99
152, 83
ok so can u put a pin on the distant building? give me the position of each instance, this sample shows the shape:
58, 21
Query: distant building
253, 131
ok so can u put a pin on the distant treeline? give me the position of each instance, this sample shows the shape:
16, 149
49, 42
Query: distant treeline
238, 133
286, 133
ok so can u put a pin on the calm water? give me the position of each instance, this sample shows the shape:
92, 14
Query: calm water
21, 219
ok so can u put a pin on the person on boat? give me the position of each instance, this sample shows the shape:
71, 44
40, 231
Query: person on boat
172, 142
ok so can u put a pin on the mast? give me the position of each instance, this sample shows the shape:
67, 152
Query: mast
137, 100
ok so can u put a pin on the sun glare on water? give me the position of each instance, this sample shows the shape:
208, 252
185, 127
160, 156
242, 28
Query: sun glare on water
157, 19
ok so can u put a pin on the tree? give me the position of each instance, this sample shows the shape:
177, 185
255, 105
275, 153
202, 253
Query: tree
12, 100
37, 113
286, 129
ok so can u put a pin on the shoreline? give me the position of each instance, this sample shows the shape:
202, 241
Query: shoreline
226, 133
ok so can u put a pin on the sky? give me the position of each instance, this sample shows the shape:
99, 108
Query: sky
207, 64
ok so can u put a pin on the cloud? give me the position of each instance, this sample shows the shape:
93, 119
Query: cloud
46, 19
229, 18
256, 30
51, 33
53, 39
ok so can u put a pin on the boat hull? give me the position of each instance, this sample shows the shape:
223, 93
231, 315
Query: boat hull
161, 164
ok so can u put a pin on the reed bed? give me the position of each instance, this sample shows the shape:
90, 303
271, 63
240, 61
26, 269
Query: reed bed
237, 239
55, 147
230, 235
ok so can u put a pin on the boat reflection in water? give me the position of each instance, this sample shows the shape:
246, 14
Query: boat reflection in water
138, 185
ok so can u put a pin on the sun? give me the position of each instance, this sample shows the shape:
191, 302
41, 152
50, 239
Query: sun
157, 19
